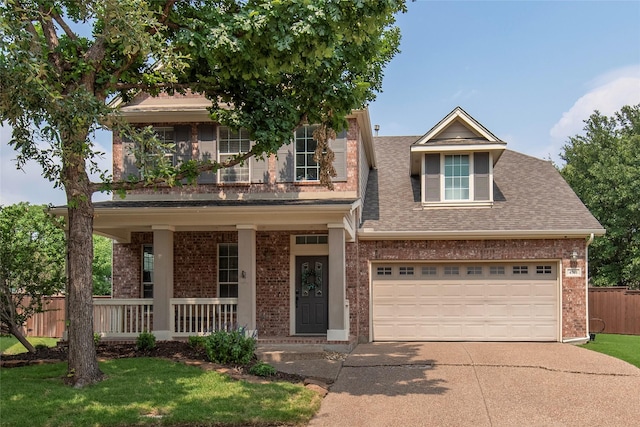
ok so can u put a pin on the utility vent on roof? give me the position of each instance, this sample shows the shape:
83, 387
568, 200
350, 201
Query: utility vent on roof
312, 239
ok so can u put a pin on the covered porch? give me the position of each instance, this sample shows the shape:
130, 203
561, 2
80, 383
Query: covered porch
277, 252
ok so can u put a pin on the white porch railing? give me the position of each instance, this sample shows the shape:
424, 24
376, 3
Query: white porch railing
122, 318
200, 316
127, 318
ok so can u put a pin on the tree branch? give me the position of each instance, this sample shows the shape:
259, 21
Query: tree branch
49, 32
63, 24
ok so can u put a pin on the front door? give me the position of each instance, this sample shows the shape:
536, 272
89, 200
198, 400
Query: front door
311, 294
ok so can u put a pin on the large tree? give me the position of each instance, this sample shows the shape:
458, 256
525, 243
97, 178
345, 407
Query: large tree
267, 66
603, 168
31, 264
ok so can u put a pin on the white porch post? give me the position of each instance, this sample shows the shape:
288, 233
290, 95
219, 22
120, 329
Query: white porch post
338, 304
162, 280
247, 278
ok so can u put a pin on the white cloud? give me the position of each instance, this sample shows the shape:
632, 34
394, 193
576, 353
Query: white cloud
608, 94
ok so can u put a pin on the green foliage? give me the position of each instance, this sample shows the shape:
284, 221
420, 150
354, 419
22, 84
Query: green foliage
136, 388
32, 260
230, 347
102, 255
602, 167
262, 369
623, 347
97, 338
146, 341
197, 342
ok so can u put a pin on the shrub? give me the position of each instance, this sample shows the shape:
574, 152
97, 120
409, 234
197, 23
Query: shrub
262, 369
146, 341
96, 338
41, 346
230, 347
197, 342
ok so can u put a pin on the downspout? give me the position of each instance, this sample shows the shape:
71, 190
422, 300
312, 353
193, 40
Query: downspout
586, 275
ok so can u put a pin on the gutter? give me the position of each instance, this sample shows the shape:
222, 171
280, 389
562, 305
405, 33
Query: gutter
575, 340
369, 234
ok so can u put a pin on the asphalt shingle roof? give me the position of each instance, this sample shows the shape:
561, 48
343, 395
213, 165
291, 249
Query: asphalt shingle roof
529, 195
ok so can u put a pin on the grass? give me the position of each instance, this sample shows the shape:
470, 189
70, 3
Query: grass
625, 347
10, 345
147, 391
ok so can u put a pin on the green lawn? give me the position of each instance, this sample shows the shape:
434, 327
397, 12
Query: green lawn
147, 391
625, 347
10, 345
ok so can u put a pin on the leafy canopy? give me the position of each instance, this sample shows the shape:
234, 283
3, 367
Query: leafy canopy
32, 262
603, 168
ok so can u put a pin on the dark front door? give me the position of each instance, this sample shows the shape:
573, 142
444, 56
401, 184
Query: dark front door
311, 294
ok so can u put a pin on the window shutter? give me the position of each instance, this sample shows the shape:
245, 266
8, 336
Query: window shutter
481, 176
207, 149
339, 147
285, 163
259, 169
432, 178
128, 159
182, 139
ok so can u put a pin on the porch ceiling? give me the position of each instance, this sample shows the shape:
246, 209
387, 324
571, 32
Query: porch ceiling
118, 219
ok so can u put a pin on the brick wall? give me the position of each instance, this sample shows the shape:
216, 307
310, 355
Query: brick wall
573, 289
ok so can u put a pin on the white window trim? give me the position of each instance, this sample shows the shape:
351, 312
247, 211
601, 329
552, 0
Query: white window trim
295, 160
456, 203
220, 154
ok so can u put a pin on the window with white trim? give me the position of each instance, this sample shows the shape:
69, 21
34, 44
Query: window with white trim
230, 144
429, 270
456, 177
405, 271
307, 169
147, 271
543, 269
520, 269
496, 270
383, 271
451, 270
228, 270
474, 270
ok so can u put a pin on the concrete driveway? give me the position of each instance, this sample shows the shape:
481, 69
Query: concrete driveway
481, 384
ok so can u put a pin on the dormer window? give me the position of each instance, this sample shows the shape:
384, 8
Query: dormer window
453, 178
455, 161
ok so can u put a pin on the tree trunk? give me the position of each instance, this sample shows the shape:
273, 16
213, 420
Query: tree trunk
83, 362
16, 332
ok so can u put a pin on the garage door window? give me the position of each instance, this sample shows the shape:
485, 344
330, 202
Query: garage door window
496, 270
429, 271
474, 271
451, 271
520, 269
383, 271
543, 269
406, 271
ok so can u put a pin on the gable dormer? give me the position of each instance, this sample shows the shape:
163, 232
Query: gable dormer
455, 162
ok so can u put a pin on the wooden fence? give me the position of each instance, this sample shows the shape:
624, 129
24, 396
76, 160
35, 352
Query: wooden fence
51, 322
615, 309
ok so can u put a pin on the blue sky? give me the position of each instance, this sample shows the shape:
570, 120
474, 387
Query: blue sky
530, 71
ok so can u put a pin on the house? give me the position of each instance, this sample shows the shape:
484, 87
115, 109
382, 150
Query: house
445, 236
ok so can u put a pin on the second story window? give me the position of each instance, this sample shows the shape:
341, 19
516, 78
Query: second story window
165, 135
307, 169
456, 177
232, 143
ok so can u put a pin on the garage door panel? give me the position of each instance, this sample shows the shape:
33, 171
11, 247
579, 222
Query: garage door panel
514, 308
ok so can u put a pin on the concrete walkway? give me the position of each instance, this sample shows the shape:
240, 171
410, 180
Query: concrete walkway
481, 384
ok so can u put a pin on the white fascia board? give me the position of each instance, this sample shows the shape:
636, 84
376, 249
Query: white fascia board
364, 124
455, 148
368, 234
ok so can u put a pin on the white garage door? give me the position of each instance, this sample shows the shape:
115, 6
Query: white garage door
465, 302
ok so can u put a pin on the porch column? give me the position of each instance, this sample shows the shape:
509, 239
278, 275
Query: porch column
247, 278
338, 304
162, 281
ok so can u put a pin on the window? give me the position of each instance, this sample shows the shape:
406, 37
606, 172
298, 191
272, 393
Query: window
383, 271
228, 270
496, 270
520, 269
147, 271
312, 239
232, 143
406, 271
429, 271
451, 271
456, 177
474, 271
543, 269
307, 169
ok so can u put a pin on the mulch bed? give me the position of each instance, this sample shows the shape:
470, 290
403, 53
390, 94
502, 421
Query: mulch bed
179, 351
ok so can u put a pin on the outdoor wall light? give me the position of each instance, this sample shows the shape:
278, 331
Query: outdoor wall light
574, 256
244, 274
